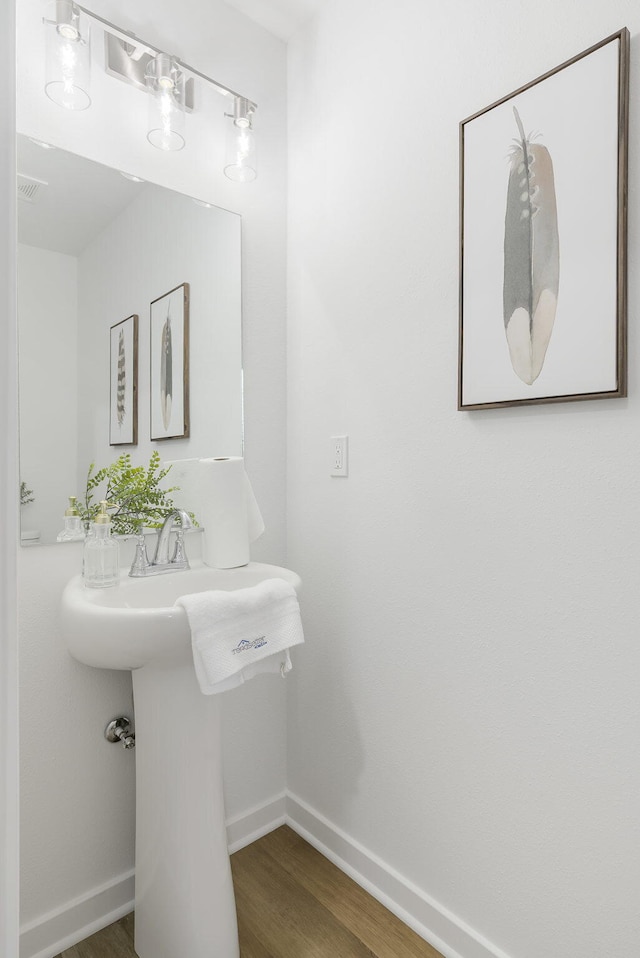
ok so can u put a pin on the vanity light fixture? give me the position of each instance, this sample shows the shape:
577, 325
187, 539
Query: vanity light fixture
240, 164
68, 55
168, 81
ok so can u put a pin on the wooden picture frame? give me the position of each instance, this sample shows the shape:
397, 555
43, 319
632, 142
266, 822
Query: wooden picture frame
123, 383
543, 237
169, 357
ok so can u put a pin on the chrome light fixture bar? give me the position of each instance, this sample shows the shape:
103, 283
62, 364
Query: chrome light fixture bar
138, 42
141, 46
128, 61
133, 60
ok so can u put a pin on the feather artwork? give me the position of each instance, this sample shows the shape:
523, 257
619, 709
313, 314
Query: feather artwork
531, 256
166, 371
122, 380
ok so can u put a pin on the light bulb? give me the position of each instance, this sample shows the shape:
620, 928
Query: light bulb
68, 31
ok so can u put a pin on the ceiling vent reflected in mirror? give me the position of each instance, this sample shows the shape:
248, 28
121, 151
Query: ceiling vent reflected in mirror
29, 188
170, 83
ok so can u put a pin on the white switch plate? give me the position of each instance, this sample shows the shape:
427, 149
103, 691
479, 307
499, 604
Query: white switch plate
339, 456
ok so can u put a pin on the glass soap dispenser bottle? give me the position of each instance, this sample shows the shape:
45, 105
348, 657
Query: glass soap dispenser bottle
101, 561
73, 528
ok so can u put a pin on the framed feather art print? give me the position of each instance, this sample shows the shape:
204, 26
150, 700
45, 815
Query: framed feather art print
543, 185
123, 429
169, 378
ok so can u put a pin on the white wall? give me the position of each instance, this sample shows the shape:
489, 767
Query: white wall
219, 41
48, 344
77, 791
465, 706
8, 501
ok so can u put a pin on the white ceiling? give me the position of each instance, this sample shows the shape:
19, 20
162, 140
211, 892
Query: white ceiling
281, 17
79, 200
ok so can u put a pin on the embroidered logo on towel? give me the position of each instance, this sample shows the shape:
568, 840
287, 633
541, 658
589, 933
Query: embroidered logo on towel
245, 645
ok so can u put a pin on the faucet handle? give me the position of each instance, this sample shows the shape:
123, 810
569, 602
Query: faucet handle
179, 553
140, 564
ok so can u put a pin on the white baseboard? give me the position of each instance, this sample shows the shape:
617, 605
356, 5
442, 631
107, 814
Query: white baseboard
74, 921
427, 917
52, 933
258, 821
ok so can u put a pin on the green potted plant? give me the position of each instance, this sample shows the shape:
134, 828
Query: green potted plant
26, 494
135, 497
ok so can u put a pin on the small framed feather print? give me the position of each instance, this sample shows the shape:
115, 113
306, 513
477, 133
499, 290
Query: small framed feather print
169, 378
123, 429
543, 184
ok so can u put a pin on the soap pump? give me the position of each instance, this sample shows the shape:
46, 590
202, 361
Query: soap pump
101, 565
73, 530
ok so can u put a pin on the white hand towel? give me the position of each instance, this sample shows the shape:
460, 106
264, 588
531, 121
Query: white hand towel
236, 635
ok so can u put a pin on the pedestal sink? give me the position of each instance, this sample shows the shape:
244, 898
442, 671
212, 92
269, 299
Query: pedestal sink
184, 894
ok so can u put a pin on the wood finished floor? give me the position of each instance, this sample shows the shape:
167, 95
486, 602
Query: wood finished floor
292, 903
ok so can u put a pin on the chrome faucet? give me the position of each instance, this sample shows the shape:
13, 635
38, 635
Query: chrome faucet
161, 563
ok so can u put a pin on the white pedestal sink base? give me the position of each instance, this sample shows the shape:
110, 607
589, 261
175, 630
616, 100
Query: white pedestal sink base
184, 893
185, 906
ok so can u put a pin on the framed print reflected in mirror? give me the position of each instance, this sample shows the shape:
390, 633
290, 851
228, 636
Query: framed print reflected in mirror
123, 428
169, 380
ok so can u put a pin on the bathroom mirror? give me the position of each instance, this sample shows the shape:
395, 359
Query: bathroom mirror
94, 249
